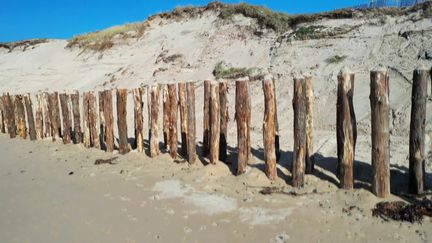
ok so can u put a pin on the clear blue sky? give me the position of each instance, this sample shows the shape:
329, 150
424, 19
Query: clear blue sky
24, 19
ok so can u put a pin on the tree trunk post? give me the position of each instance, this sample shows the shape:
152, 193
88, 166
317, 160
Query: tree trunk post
380, 108
269, 127
102, 126
346, 129
2, 115
54, 110
242, 119
93, 111
183, 117
206, 118
191, 122
299, 151
66, 114
310, 163
224, 118
86, 124
277, 135
122, 121
214, 123
39, 117
154, 123
30, 117
47, 114
20, 116
417, 131
173, 118
75, 97
109, 120
139, 119
165, 116
10, 116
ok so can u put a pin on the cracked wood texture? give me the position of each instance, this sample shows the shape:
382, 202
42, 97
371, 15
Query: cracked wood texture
380, 112
102, 126
310, 164
122, 120
154, 120
224, 118
269, 127
92, 116
138, 119
191, 122
214, 123
108, 119
173, 117
417, 131
86, 125
39, 117
10, 115
242, 114
165, 116
67, 120
299, 150
77, 136
183, 117
54, 111
206, 118
46, 114
30, 117
346, 130
20, 116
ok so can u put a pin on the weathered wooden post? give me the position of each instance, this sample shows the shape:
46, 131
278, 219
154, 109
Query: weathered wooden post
154, 123
39, 117
191, 122
242, 118
47, 114
214, 123
380, 108
224, 118
30, 117
92, 116
10, 116
75, 97
269, 127
165, 115
277, 135
122, 121
102, 126
310, 164
20, 116
173, 117
86, 124
54, 111
139, 119
346, 129
109, 120
183, 117
2, 116
66, 114
417, 131
299, 151
206, 118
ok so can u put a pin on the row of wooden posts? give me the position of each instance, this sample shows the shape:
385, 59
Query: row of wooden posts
16, 112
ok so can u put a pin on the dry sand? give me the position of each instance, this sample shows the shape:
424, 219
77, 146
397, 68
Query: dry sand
147, 200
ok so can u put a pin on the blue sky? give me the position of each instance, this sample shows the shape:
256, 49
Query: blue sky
24, 19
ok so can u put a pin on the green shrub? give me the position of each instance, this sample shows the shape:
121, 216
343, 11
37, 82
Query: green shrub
221, 70
335, 59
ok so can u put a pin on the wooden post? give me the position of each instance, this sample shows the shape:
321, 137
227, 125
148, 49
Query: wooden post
346, 129
46, 114
380, 109
224, 118
102, 126
92, 116
2, 116
20, 116
206, 117
310, 164
39, 117
214, 123
10, 116
77, 136
269, 127
165, 118
183, 117
173, 118
277, 136
242, 119
86, 124
122, 121
299, 151
417, 131
54, 111
67, 120
139, 119
30, 117
191, 122
108, 118
154, 123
